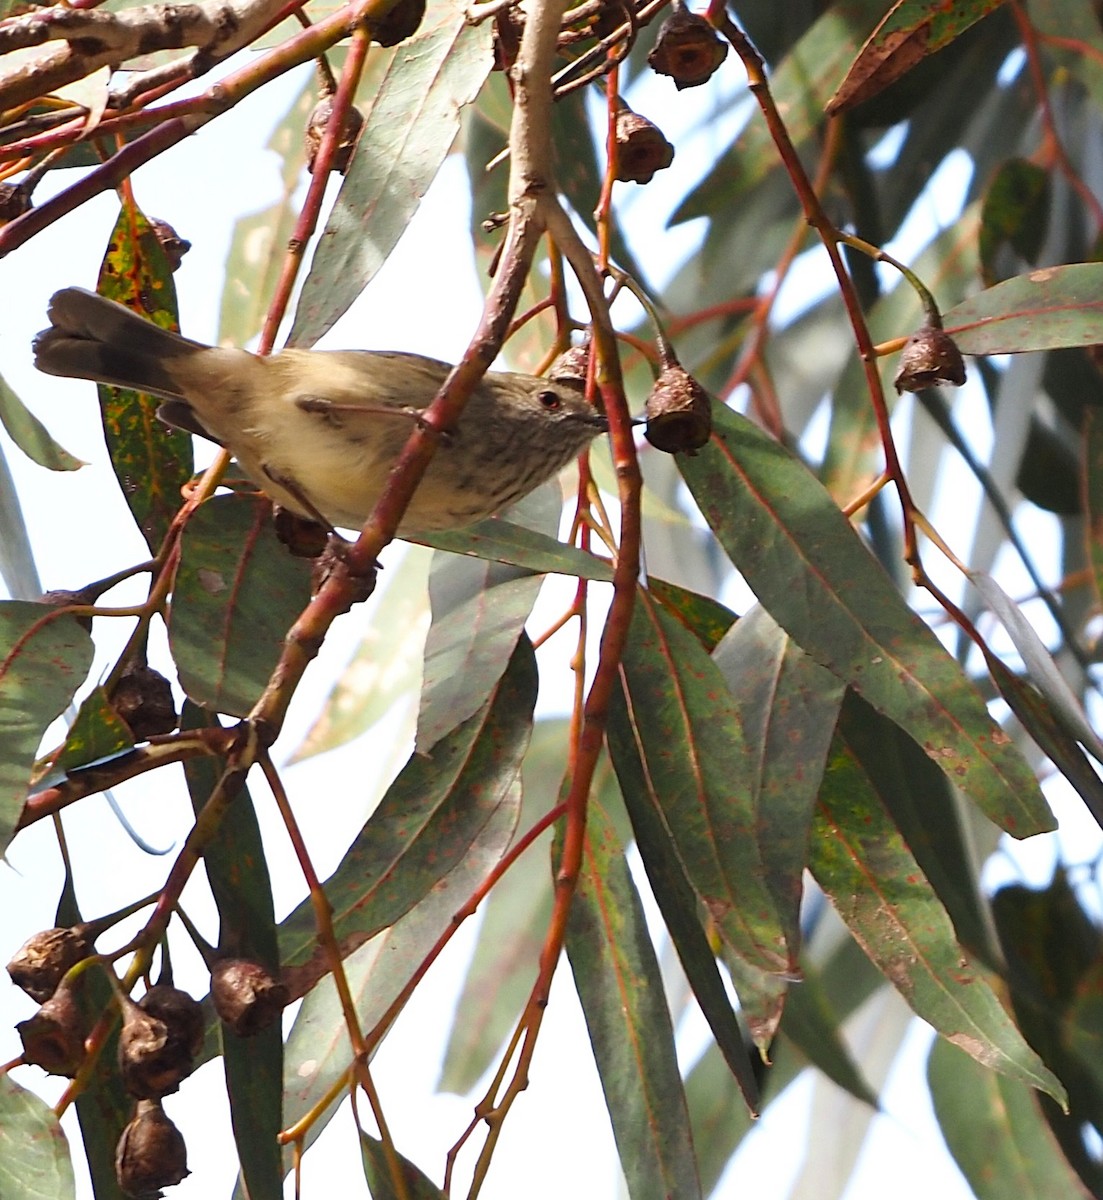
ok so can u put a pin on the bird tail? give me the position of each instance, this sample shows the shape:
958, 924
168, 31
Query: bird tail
91, 337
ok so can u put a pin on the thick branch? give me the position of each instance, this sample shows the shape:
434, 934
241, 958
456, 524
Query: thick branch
95, 39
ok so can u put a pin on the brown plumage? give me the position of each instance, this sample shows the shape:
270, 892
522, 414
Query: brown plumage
321, 429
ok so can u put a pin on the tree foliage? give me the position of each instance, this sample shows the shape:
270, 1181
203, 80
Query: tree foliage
823, 689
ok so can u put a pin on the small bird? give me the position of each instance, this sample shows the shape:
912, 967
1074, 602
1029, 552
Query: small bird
320, 430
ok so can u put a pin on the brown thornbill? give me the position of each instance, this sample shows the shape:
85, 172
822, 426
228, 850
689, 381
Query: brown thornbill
320, 430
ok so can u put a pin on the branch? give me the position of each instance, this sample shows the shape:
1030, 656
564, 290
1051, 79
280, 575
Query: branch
96, 39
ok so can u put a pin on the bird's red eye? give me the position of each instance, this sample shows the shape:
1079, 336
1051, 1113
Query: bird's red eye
550, 401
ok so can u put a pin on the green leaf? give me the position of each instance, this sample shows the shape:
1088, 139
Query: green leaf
877, 887
408, 133
1051, 946
718, 1116
31, 436
680, 907
514, 920
425, 824
318, 1050
44, 658
811, 1023
1043, 671
617, 976
789, 705
995, 1132
97, 733
677, 746
377, 1171
151, 461
922, 805
34, 1155
384, 670
910, 31
503, 541
238, 591
703, 616
812, 573
1036, 717
1014, 215
478, 612
103, 1105
1042, 310
237, 872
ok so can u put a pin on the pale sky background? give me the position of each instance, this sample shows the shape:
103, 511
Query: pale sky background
557, 1140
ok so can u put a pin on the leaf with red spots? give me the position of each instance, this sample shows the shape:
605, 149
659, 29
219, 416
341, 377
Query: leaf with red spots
44, 657
1042, 310
238, 591
863, 865
813, 574
151, 461
678, 748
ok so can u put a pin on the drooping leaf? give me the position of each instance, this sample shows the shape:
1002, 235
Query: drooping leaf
31, 436
425, 824
677, 745
910, 31
34, 1155
237, 872
478, 611
1044, 672
1041, 310
810, 570
1052, 948
918, 797
378, 1171
514, 922
44, 657
408, 133
238, 591
1037, 718
151, 461
789, 705
103, 1105
617, 977
877, 887
318, 1049
995, 1132
681, 908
